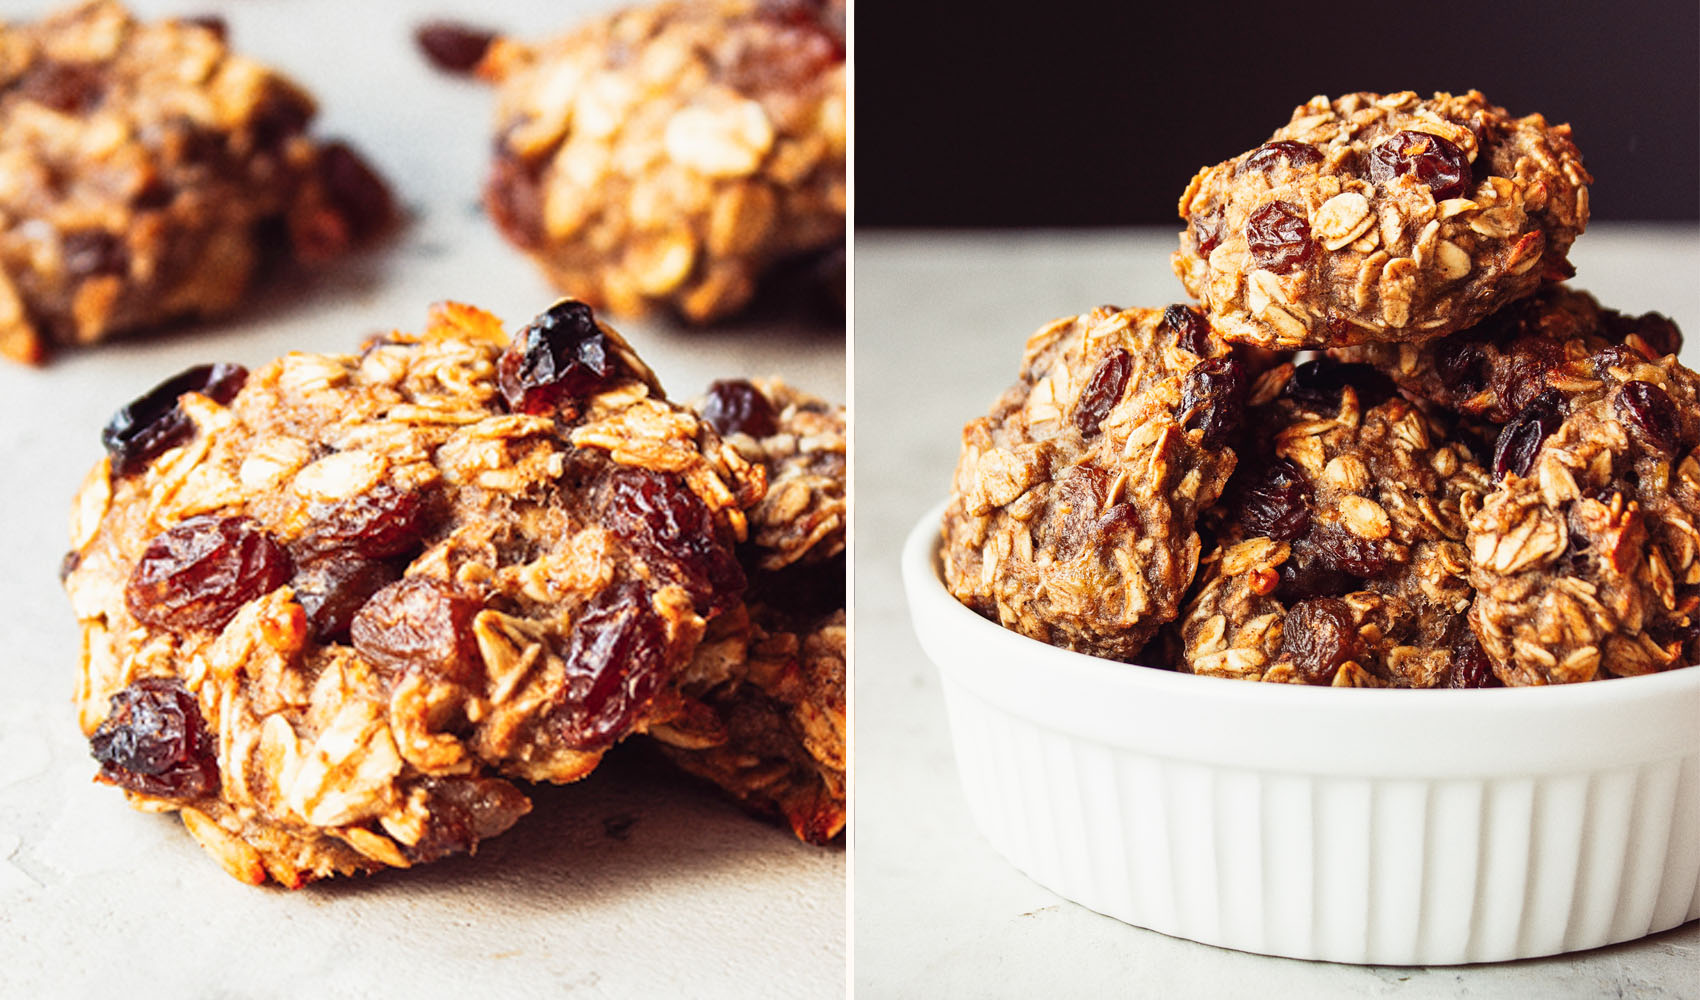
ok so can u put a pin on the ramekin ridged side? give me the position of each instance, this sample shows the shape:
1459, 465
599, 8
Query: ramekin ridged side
1385, 827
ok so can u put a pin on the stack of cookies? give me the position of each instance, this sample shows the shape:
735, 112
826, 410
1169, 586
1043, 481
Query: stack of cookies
1475, 476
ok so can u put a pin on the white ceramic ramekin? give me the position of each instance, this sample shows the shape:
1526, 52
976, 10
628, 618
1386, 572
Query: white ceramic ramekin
1352, 825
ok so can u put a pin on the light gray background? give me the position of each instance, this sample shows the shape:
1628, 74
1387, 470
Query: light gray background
940, 323
97, 900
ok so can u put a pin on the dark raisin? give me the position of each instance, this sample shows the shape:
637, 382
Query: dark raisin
615, 666
1649, 409
154, 422
1462, 365
381, 523
357, 193
801, 592
1278, 236
1471, 667
1305, 575
1103, 391
197, 574
1344, 551
69, 564
419, 624
70, 88
1213, 397
1434, 161
1318, 638
1319, 385
1295, 154
561, 354
332, 587
513, 196
1191, 330
735, 406
155, 742
1277, 503
668, 525
451, 46
91, 252
1657, 331
1207, 230
464, 811
281, 116
1521, 439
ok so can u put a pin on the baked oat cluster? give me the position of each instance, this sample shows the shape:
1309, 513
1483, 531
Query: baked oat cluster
147, 172
334, 609
1486, 479
667, 156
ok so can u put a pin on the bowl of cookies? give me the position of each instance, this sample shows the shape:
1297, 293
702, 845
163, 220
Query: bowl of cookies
1338, 614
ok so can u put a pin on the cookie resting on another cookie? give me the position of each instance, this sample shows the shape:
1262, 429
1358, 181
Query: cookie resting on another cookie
1381, 218
147, 172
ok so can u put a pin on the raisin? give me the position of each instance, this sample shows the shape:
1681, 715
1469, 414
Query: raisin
1462, 365
1344, 551
1278, 236
1521, 439
670, 526
155, 742
801, 592
453, 47
1318, 637
70, 88
1265, 157
1304, 575
514, 198
197, 574
735, 406
1434, 161
210, 22
1277, 504
357, 193
1471, 667
1649, 409
1319, 385
91, 252
1213, 397
154, 422
1191, 330
1103, 391
333, 586
464, 811
561, 354
419, 623
615, 665
1657, 331
1207, 230
382, 523
280, 117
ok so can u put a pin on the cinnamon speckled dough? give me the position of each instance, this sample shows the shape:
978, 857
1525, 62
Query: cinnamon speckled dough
543, 580
142, 167
1381, 218
1073, 510
668, 155
1352, 517
1586, 557
1493, 369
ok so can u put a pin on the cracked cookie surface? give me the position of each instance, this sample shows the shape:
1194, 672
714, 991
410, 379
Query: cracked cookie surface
669, 155
1586, 556
1340, 556
384, 583
1381, 218
143, 170
1074, 505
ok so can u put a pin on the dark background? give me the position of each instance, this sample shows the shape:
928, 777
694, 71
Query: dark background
1048, 112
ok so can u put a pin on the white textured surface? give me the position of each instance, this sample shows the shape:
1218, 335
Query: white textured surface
940, 320
635, 882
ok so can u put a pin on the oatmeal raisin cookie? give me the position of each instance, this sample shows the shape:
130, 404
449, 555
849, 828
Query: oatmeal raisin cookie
1073, 511
1340, 555
1586, 556
668, 155
143, 169
330, 606
1381, 218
